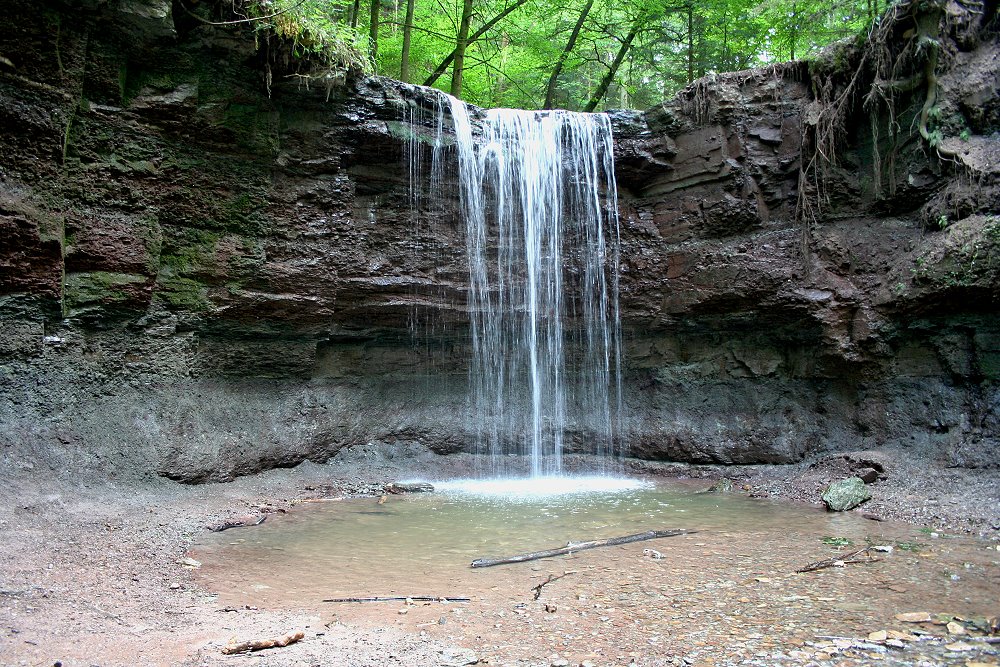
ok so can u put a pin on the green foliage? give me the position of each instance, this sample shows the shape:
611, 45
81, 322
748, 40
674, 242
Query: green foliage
510, 64
315, 30
837, 541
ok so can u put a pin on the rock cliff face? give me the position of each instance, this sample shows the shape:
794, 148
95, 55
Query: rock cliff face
201, 280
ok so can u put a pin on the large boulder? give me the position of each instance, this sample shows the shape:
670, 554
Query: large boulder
846, 494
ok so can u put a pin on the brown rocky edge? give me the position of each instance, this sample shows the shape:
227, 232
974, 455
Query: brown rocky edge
97, 573
201, 280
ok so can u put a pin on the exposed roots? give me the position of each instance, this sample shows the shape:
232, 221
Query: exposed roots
899, 58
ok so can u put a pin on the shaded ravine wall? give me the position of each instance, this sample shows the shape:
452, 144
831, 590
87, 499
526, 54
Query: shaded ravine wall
199, 280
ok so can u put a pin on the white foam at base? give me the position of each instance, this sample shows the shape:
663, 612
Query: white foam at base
528, 488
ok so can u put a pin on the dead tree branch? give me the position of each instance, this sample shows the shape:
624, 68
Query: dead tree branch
579, 546
261, 644
538, 588
858, 556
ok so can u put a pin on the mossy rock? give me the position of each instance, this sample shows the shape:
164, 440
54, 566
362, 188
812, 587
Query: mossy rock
724, 485
99, 287
846, 494
182, 294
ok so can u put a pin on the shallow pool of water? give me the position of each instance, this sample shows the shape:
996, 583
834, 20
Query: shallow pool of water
729, 591
422, 544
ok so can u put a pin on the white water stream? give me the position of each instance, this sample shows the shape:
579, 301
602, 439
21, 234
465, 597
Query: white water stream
537, 195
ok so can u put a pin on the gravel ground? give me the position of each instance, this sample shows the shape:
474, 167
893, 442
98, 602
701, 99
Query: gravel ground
93, 574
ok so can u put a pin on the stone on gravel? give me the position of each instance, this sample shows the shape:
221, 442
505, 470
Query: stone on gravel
914, 617
458, 657
846, 494
409, 487
868, 475
724, 485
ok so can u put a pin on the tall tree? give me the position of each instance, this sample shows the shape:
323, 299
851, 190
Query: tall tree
404, 59
450, 58
626, 44
373, 29
550, 89
461, 43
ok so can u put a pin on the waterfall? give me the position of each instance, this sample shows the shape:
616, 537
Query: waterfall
537, 196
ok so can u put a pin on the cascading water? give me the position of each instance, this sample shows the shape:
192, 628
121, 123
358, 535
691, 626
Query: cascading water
538, 198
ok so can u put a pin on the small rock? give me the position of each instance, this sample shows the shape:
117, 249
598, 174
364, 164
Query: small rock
174, 586
724, 485
960, 647
560, 662
457, 657
878, 636
403, 611
868, 475
191, 563
955, 628
914, 617
846, 494
409, 487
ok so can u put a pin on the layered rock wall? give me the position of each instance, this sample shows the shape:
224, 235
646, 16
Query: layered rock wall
202, 275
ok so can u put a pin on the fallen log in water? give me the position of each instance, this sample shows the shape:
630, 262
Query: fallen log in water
580, 546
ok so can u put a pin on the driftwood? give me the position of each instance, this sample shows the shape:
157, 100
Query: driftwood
237, 524
261, 644
858, 556
414, 598
538, 588
579, 546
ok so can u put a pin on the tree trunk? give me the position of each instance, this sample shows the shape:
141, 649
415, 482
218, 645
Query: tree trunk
458, 69
690, 44
602, 87
443, 66
793, 33
550, 90
355, 10
373, 28
404, 64
699, 23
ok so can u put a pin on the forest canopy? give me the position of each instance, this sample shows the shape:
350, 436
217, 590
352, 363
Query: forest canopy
571, 54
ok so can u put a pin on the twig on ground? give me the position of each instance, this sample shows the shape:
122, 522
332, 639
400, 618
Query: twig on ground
538, 588
858, 556
261, 644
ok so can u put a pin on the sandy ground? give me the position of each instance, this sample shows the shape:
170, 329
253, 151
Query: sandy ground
94, 574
